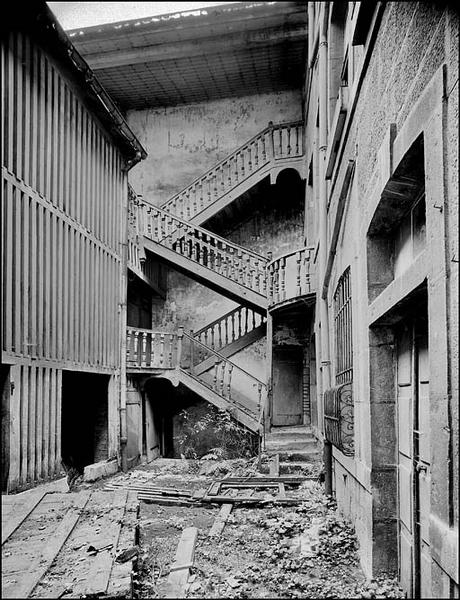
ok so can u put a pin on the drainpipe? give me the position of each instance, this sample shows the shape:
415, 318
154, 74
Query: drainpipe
323, 306
123, 325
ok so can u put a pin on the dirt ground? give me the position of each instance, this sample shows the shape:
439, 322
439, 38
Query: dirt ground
303, 551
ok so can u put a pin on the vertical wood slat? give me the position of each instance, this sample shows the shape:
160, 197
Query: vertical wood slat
52, 421
8, 254
46, 422
25, 275
24, 400
18, 275
58, 404
31, 428
39, 424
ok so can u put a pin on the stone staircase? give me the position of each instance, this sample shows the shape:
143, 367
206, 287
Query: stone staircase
292, 449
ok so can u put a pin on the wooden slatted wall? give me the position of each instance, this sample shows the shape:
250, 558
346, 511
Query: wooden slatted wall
62, 187
35, 427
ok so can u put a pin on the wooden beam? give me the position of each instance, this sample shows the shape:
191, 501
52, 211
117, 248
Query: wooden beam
214, 398
208, 46
221, 519
234, 347
207, 277
180, 569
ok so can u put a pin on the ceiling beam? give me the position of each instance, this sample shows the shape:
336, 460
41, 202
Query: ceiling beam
208, 46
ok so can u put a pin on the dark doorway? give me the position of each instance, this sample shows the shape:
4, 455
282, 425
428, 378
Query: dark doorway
6, 392
84, 418
287, 385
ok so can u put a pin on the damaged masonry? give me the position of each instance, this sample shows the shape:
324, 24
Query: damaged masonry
229, 302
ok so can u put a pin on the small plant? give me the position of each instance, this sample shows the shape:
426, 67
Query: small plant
215, 435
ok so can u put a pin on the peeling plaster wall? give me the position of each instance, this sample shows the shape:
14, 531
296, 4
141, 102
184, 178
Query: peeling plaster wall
182, 143
185, 141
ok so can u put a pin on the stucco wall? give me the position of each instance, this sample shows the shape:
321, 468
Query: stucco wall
185, 141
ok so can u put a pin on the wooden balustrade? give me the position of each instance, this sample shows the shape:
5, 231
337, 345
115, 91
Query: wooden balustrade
275, 142
205, 248
229, 328
289, 276
226, 378
147, 349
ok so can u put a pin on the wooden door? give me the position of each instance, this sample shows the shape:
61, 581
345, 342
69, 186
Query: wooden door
413, 458
287, 385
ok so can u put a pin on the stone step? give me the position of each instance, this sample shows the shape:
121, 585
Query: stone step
294, 430
290, 468
290, 446
299, 456
288, 439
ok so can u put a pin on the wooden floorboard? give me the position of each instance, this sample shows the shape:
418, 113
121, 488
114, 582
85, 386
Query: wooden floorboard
46, 553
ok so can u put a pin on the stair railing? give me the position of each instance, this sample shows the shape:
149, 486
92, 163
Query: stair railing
275, 142
289, 275
230, 327
226, 378
147, 349
205, 248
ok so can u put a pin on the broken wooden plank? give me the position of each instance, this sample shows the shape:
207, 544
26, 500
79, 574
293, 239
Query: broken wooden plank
287, 479
275, 465
153, 499
149, 488
199, 494
97, 576
249, 500
180, 569
18, 516
249, 485
41, 564
221, 519
214, 488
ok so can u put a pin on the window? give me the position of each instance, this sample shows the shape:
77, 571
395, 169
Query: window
343, 330
410, 237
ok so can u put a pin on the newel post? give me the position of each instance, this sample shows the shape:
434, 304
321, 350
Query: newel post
192, 352
180, 335
271, 142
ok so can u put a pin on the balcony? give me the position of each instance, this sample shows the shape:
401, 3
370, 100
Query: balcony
290, 277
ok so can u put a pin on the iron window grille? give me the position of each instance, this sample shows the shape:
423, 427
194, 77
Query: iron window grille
338, 401
339, 418
343, 330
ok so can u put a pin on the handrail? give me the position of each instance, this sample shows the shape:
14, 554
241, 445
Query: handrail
290, 253
239, 150
189, 225
286, 280
228, 318
224, 359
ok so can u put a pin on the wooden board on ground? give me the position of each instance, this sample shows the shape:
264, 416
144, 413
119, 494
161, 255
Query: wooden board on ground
180, 569
120, 582
15, 509
221, 519
36, 542
51, 548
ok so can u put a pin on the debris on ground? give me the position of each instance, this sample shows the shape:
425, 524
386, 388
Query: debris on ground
307, 550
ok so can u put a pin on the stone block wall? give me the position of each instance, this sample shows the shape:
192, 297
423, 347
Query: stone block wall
412, 59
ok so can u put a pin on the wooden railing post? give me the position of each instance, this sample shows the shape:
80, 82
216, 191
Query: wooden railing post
192, 354
180, 335
271, 142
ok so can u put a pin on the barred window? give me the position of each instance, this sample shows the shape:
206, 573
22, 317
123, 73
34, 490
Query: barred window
343, 330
